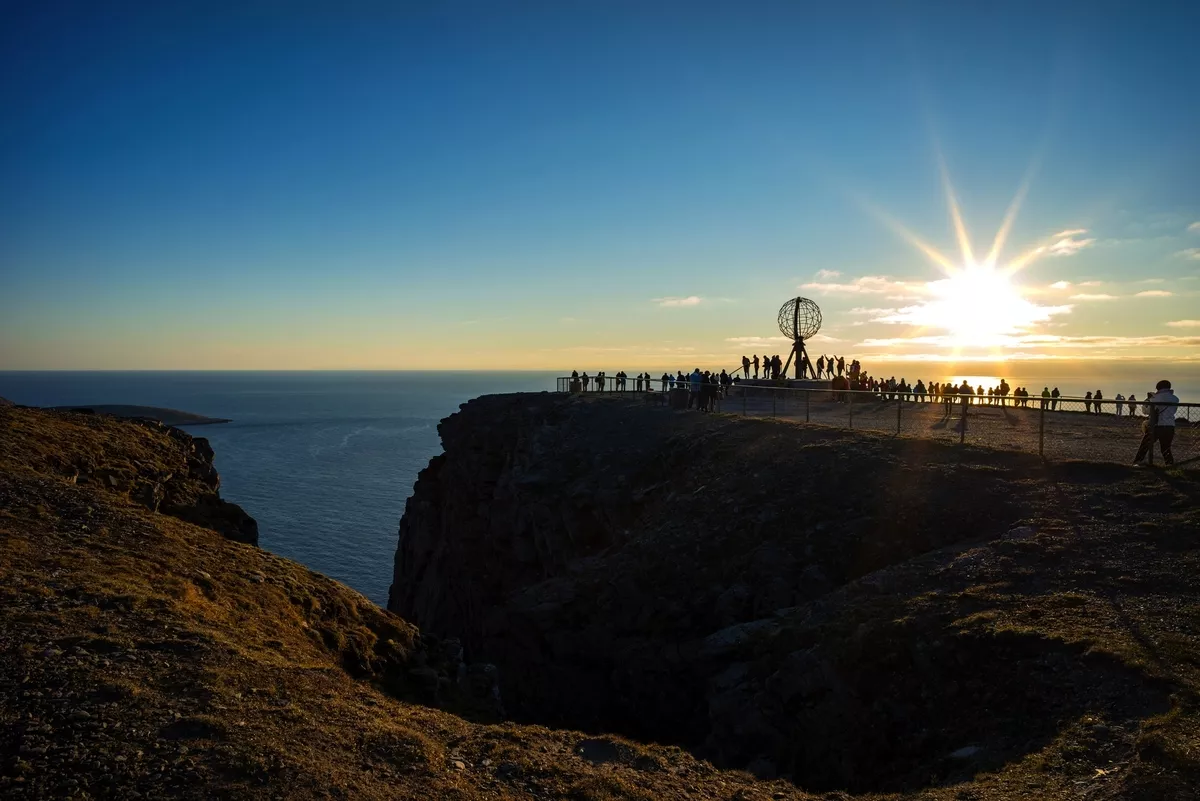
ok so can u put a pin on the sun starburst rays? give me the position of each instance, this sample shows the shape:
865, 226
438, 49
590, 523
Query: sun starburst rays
976, 304
960, 228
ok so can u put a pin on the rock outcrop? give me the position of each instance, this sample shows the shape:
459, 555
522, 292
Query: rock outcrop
143, 656
159, 467
838, 608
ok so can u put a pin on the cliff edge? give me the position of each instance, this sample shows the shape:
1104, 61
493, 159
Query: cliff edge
148, 651
848, 611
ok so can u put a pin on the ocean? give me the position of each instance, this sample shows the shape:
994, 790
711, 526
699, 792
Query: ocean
323, 460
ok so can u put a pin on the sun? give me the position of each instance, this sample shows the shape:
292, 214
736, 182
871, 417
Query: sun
979, 306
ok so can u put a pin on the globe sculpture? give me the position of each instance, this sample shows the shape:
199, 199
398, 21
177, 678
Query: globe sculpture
799, 319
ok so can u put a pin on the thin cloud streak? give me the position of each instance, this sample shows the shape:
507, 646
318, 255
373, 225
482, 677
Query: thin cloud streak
676, 303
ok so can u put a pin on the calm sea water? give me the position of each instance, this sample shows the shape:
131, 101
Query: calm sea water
323, 461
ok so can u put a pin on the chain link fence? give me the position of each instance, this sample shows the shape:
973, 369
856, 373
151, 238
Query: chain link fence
1054, 428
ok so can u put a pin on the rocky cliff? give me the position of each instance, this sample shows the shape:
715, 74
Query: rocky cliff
154, 465
850, 611
144, 654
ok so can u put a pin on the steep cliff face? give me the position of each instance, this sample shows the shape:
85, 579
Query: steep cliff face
789, 599
142, 656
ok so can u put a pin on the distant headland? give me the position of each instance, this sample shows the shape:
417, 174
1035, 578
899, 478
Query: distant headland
171, 417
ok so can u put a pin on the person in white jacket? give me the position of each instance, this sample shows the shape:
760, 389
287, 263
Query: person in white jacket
1160, 409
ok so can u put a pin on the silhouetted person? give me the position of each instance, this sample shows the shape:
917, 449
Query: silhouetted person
1132, 404
755, 363
746, 367
1054, 396
841, 364
584, 378
1087, 403
820, 365
1160, 427
665, 380
694, 382
1120, 404
1096, 401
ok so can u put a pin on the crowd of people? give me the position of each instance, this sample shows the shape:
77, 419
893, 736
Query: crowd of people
772, 367
855, 379
705, 387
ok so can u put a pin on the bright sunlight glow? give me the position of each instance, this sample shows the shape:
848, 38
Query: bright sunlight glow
978, 306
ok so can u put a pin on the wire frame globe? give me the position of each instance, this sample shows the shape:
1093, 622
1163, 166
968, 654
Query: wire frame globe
799, 318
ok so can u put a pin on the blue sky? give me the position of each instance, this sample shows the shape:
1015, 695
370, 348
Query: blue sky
612, 185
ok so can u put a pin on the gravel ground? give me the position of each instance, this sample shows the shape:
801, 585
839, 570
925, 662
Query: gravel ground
1069, 434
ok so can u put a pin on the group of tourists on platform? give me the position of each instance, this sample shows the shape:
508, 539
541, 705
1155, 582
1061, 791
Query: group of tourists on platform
773, 367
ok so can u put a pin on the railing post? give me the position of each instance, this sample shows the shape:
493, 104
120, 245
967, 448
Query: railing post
1042, 431
962, 425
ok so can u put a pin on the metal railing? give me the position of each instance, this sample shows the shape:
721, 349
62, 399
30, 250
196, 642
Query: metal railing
1059, 428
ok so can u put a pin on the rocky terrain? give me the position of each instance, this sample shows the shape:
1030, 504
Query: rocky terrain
148, 651
617, 602
850, 612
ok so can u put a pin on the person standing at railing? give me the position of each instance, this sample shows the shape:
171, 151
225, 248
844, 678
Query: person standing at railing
755, 363
1120, 399
746, 366
584, 378
1054, 396
1045, 397
1096, 401
694, 381
1132, 404
1160, 407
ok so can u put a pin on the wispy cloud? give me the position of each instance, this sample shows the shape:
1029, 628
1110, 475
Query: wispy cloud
758, 340
1184, 324
1068, 243
867, 285
1087, 296
675, 303
1070, 232
768, 342
1061, 285
1190, 253
1154, 293
1047, 341
1152, 281
1091, 283
876, 312
1194, 227
825, 275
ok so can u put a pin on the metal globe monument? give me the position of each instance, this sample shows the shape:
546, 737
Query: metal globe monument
799, 319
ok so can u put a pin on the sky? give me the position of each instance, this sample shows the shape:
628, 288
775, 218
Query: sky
595, 185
